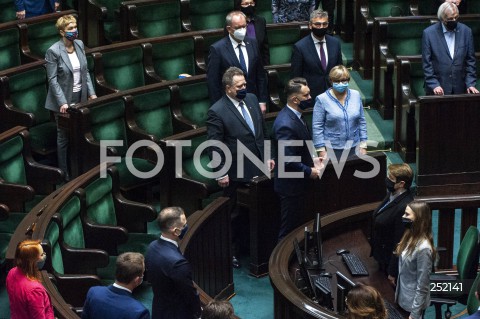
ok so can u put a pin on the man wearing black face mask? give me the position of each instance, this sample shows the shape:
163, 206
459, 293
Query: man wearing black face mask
170, 274
315, 55
236, 118
387, 227
290, 126
448, 55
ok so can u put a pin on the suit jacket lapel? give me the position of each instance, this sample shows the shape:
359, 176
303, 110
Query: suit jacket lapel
313, 50
251, 55
237, 114
443, 41
301, 127
64, 55
233, 57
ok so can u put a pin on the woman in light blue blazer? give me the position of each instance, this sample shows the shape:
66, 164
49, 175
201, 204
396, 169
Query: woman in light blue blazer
68, 79
416, 255
338, 119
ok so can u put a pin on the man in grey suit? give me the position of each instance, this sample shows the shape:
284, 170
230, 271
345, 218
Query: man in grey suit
68, 79
448, 55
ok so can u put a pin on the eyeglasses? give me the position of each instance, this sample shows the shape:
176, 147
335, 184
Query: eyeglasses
248, 4
320, 24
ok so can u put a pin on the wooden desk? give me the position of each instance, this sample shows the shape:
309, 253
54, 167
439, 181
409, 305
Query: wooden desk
342, 229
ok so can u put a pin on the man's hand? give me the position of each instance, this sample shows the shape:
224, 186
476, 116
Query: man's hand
92, 97
438, 90
472, 90
392, 280
57, 6
362, 151
322, 155
64, 108
315, 173
271, 164
263, 107
20, 14
224, 182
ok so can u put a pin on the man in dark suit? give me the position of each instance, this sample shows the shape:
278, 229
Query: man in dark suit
316, 54
241, 52
448, 55
387, 227
116, 301
237, 121
170, 274
290, 127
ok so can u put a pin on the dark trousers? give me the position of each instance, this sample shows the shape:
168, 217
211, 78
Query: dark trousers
239, 219
291, 208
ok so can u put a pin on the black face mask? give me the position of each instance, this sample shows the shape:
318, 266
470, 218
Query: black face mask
451, 25
390, 185
407, 223
248, 11
319, 32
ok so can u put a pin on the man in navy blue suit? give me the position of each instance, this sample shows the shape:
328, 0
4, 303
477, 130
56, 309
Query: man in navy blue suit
174, 296
448, 55
116, 301
236, 118
290, 127
316, 54
241, 52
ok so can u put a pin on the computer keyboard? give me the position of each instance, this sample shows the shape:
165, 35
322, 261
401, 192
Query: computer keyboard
354, 264
324, 282
392, 312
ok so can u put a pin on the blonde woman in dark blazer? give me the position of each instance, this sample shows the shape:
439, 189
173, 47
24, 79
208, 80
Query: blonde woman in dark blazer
416, 254
68, 79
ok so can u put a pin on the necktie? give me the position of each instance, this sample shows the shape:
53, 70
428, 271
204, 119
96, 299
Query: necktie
323, 58
247, 117
241, 59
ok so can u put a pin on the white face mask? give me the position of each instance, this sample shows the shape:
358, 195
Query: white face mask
240, 33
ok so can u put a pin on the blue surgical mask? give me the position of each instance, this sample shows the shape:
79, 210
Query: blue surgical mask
241, 94
41, 263
340, 87
305, 104
183, 231
71, 35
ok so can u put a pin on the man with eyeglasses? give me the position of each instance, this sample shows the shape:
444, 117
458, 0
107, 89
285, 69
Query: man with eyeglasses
116, 301
448, 55
169, 272
238, 50
316, 54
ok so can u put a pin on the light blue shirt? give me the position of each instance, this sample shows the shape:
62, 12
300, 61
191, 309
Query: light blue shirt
336, 123
450, 38
298, 114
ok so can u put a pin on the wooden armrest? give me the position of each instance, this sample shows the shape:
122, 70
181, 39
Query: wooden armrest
15, 195
105, 237
83, 261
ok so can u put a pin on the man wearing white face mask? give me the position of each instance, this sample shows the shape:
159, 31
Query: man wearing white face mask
240, 51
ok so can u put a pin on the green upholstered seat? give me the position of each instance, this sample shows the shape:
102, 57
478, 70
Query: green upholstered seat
7, 228
194, 102
56, 258
209, 14
72, 223
158, 19
9, 46
389, 8
28, 92
152, 113
173, 58
417, 79
280, 43
472, 300
8, 11
467, 258
12, 169
123, 69
406, 38
111, 23
41, 36
107, 122
264, 9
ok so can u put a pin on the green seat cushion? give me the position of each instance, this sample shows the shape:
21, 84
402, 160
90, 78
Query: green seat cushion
107, 274
124, 68
195, 102
43, 137
467, 253
127, 178
9, 225
9, 47
173, 58
280, 42
111, 23
41, 36
264, 9
152, 113
112, 31
389, 8
99, 201
158, 19
72, 223
406, 38
52, 234
137, 242
153, 228
209, 14
12, 167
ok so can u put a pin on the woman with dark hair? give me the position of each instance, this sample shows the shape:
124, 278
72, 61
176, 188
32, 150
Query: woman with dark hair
365, 302
256, 27
28, 298
416, 255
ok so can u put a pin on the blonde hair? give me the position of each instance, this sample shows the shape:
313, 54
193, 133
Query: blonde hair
365, 302
65, 20
421, 229
338, 73
26, 257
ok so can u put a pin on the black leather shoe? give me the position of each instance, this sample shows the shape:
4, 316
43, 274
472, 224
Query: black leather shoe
236, 262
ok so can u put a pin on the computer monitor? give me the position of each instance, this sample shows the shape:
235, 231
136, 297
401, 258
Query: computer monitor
303, 269
324, 297
317, 237
344, 285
